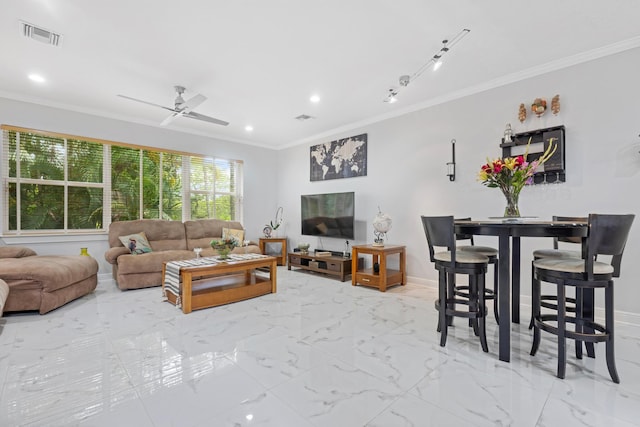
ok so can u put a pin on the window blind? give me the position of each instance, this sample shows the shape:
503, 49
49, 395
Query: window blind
60, 183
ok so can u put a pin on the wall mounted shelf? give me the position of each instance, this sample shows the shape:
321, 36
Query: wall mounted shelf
553, 171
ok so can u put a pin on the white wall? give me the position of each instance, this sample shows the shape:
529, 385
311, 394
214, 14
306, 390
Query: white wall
600, 108
406, 163
259, 176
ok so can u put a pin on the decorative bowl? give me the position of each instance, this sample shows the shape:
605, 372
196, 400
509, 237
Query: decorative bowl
303, 247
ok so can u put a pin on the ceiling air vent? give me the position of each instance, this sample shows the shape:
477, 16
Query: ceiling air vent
40, 34
304, 117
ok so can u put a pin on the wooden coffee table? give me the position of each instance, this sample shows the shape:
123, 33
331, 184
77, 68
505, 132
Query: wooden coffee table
220, 283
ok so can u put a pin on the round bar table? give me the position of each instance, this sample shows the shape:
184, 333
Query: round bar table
509, 232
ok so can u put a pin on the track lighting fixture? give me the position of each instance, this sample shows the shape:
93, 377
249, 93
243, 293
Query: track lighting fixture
435, 61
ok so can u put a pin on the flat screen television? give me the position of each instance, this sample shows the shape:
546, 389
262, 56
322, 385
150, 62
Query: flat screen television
329, 215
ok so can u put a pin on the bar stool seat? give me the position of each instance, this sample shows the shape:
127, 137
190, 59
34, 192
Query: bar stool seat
556, 253
568, 265
461, 257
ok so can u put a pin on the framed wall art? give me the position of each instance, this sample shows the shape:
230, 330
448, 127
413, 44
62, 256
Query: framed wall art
342, 158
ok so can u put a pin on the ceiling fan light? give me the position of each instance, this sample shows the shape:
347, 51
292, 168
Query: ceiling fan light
437, 64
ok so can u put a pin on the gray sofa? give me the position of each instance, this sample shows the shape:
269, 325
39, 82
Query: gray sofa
169, 240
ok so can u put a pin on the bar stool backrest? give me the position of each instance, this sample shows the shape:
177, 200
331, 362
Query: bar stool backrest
439, 231
607, 236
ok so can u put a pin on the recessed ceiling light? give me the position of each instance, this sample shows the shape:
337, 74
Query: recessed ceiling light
36, 78
315, 99
248, 128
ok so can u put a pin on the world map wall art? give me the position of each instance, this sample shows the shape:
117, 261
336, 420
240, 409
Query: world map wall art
342, 158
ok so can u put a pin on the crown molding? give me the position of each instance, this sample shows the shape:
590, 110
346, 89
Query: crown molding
548, 67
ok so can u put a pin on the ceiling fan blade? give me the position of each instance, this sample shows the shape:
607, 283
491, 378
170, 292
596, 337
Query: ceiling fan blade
146, 102
202, 117
171, 118
193, 102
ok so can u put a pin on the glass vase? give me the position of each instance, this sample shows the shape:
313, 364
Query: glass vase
511, 210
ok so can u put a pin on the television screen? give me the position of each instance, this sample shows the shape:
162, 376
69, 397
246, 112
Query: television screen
329, 215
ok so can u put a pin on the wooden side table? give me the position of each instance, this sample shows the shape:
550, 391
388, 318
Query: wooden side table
275, 247
384, 277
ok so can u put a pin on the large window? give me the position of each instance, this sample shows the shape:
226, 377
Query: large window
58, 183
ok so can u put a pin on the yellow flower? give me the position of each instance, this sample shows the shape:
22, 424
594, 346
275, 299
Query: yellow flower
510, 163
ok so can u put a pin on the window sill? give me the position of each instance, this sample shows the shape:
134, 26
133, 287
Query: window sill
26, 239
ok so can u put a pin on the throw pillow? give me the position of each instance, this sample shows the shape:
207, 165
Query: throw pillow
232, 233
136, 243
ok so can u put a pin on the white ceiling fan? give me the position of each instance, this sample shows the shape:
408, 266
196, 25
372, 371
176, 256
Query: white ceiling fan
183, 108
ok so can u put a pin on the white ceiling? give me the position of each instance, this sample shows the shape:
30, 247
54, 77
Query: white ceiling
259, 61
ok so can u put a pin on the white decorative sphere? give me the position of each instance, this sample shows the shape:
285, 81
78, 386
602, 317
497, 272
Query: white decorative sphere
382, 223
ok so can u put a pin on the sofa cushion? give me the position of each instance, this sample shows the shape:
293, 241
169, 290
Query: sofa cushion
15, 252
150, 262
199, 233
161, 234
136, 243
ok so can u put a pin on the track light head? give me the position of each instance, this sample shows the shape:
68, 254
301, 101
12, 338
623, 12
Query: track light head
391, 96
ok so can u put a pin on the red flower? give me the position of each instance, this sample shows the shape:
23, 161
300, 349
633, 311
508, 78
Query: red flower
497, 167
519, 160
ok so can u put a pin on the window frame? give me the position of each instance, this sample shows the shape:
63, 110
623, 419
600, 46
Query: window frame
236, 192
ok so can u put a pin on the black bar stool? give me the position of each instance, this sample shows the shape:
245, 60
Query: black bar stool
549, 301
489, 252
607, 236
440, 233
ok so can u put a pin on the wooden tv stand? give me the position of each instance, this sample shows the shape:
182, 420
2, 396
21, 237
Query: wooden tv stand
331, 265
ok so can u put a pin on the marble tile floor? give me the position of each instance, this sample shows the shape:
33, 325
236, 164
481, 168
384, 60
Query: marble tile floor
319, 352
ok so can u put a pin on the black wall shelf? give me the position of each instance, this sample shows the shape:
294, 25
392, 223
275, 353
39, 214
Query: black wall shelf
553, 171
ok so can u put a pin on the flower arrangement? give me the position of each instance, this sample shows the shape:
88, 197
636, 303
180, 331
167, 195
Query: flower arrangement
511, 174
224, 246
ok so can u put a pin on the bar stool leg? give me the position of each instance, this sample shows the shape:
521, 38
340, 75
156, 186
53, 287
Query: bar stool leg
535, 312
532, 281
609, 324
483, 315
588, 303
495, 292
473, 303
451, 284
562, 342
443, 322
